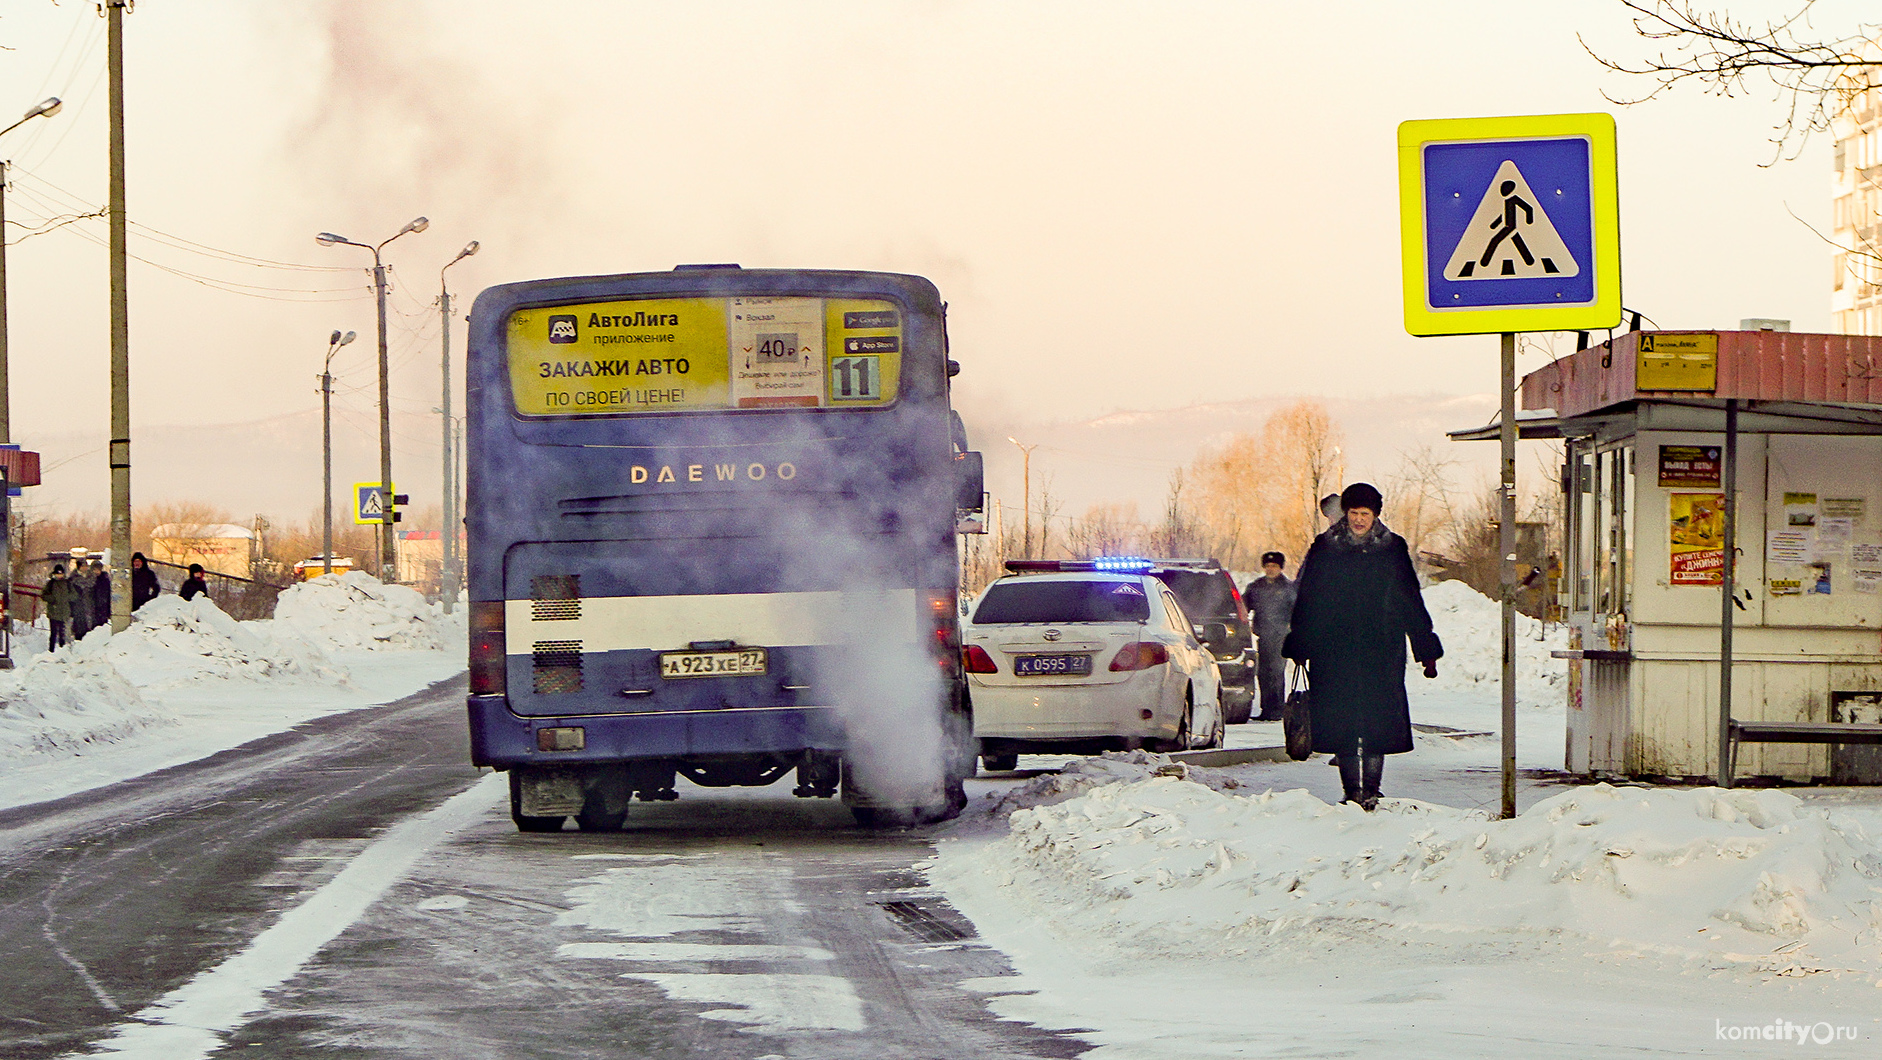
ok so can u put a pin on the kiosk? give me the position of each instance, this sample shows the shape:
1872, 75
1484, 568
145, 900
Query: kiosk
1657, 426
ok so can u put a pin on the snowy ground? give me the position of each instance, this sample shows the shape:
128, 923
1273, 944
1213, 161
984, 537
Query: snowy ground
186, 681
1166, 910
1162, 910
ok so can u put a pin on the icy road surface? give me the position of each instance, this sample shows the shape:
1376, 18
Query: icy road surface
354, 888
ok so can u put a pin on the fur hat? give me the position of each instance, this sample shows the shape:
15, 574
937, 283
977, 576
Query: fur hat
58, 568
1361, 495
1273, 557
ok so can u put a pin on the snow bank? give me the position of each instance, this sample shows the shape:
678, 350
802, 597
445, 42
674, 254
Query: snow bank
108, 686
355, 610
64, 703
173, 642
1169, 867
1471, 626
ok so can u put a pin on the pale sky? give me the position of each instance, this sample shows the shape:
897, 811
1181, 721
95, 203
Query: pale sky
1127, 205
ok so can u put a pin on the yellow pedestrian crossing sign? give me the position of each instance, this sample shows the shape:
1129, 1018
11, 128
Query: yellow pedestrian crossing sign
370, 500
1509, 224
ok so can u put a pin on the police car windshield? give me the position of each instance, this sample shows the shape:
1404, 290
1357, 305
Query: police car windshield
1063, 601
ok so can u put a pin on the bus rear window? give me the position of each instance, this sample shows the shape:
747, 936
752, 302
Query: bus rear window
1063, 601
705, 354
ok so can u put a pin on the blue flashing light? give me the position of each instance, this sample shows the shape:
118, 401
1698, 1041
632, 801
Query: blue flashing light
1122, 564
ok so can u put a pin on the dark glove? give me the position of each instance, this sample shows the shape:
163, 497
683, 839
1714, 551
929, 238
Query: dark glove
1426, 647
1431, 668
1292, 649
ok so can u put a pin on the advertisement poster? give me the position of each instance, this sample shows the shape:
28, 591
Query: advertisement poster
1689, 465
1800, 509
1789, 546
1696, 538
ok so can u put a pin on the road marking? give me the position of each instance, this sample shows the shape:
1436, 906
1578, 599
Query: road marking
735, 893
686, 951
769, 999
192, 1021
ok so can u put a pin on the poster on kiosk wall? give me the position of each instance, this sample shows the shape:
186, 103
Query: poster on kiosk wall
1696, 538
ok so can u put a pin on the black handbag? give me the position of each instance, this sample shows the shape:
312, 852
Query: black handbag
1297, 716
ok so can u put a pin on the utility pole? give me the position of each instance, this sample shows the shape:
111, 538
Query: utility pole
1027, 449
44, 110
120, 332
447, 537
388, 556
326, 449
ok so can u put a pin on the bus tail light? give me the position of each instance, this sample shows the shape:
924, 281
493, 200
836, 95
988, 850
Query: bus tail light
943, 630
975, 660
487, 657
1140, 655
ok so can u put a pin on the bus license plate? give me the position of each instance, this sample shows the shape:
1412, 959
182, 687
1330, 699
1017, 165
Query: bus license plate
742, 663
1052, 665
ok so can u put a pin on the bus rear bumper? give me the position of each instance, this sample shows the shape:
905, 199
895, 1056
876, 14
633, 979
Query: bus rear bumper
502, 738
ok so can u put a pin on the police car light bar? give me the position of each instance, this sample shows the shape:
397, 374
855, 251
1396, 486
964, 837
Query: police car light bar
1106, 564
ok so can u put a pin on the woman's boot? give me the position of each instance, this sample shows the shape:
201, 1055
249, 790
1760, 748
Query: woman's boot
1372, 770
1351, 779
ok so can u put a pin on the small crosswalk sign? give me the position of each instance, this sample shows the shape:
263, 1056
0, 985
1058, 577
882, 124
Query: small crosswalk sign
1509, 224
369, 502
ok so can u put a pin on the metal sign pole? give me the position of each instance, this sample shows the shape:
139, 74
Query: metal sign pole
1726, 590
6, 589
1506, 546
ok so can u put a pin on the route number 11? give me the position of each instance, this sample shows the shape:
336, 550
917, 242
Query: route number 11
855, 379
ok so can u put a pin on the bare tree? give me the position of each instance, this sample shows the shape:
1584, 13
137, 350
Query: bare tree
1815, 76
1423, 503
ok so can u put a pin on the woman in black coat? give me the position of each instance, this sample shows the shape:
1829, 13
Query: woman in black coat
1358, 600
144, 584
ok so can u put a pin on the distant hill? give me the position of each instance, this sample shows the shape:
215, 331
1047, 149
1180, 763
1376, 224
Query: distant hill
1129, 455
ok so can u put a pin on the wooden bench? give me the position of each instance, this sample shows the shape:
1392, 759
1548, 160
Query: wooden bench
1801, 732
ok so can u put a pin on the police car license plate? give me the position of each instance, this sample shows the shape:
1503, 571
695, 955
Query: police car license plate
1052, 665
742, 663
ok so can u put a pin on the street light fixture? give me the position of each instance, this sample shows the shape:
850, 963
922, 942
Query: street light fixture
43, 110
1027, 449
388, 557
447, 536
326, 445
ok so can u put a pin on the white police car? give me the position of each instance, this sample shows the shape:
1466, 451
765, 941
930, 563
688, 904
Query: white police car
1082, 657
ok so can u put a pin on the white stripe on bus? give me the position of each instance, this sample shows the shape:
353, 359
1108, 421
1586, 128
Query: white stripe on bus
770, 620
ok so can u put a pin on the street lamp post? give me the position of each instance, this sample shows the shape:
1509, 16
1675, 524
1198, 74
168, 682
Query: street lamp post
43, 110
1027, 449
326, 447
447, 537
388, 569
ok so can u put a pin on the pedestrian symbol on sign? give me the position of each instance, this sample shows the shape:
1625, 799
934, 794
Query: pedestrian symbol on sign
1510, 236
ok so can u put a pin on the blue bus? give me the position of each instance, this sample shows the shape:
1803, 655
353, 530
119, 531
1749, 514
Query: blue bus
711, 520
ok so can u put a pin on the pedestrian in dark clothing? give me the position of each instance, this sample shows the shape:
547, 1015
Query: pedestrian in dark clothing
100, 593
1270, 600
57, 594
1358, 601
193, 584
144, 585
82, 617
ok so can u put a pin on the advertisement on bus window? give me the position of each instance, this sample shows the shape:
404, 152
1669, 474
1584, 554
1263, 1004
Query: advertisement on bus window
704, 354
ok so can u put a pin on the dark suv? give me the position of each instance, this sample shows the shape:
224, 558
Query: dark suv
1209, 595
